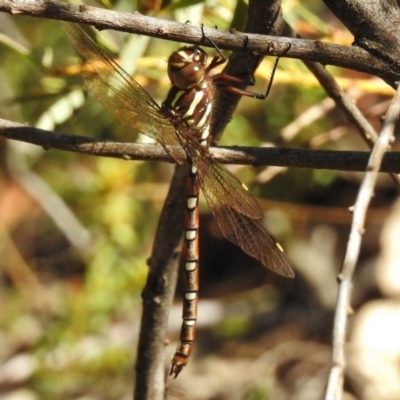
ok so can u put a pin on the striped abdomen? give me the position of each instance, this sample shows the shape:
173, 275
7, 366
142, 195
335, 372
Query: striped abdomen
192, 107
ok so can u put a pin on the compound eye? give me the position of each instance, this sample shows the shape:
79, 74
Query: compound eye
187, 76
186, 67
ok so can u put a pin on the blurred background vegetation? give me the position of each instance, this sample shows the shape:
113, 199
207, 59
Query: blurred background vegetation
75, 230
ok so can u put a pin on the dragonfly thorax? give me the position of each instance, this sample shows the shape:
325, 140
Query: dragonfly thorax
186, 66
190, 99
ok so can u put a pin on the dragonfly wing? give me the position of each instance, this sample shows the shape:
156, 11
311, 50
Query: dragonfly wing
120, 94
237, 212
220, 187
250, 235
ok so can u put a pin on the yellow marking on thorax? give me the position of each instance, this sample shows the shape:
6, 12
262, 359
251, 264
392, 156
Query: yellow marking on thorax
176, 98
193, 105
203, 120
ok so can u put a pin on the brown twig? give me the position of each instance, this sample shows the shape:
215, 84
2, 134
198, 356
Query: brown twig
240, 155
326, 53
374, 25
264, 17
158, 294
334, 388
343, 101
348, 107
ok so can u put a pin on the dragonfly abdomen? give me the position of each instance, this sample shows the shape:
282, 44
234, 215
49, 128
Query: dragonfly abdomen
190, 260
191, 105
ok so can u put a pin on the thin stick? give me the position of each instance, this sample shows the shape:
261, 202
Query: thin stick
334, 388
350, 57
158, 294
238, 155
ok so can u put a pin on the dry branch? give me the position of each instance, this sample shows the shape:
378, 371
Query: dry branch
334, 389
313, 50
240, 155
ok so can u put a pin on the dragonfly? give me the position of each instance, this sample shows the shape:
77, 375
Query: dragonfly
183, 122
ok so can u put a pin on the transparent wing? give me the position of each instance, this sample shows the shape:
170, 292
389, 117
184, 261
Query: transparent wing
120, 94
220, 187
237, 212
250, 235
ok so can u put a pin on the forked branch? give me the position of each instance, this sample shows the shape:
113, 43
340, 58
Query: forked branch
334, 389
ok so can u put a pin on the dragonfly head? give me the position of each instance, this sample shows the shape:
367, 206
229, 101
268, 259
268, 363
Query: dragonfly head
186, 66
